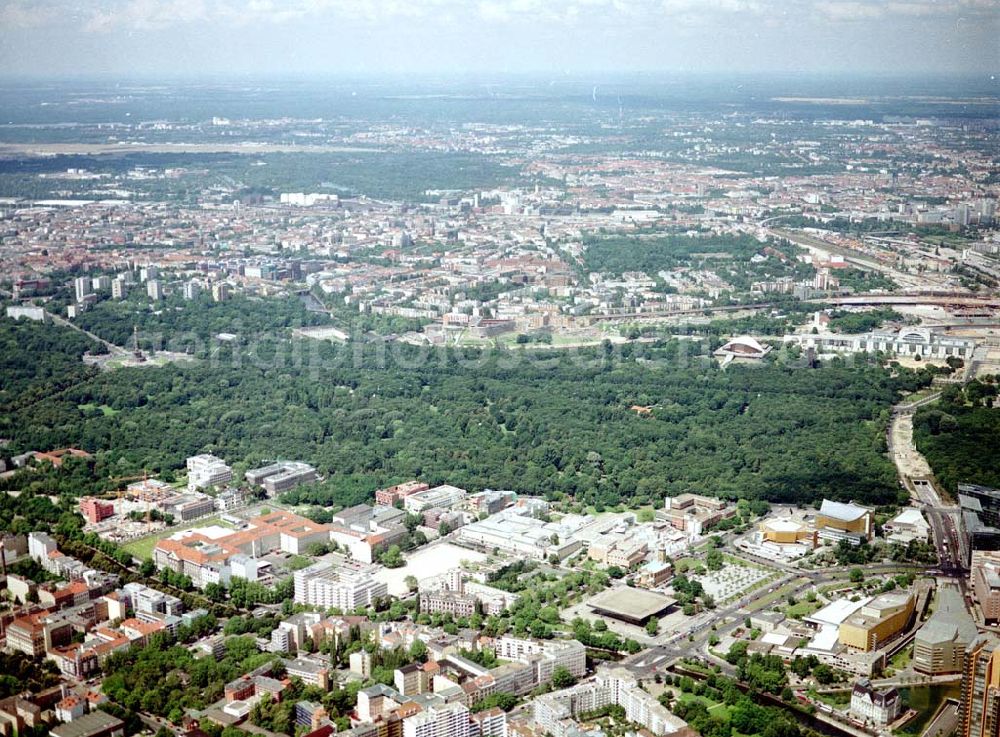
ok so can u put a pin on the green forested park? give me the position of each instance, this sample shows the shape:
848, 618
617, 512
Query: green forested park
178, 324
369, 415
730, 257
37, 360
958, 435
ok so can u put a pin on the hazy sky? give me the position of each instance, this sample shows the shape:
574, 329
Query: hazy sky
142, 37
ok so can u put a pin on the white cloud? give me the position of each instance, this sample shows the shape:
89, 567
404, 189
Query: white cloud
147, 15
140, 15
26, 14
855, 10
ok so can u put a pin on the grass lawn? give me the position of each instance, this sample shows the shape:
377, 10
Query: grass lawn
901, 659
838, 699
715, 708
689, 562
784, 591
802, 609
142, 548
843, 586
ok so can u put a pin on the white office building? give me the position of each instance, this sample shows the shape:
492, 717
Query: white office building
907, 342
344, 586
439, 720
207, 470
440, 497
556, 713
82, 288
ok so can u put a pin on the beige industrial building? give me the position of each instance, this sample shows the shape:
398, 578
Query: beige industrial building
877, 622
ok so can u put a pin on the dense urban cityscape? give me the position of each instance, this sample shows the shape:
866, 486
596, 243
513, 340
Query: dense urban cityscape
564, 405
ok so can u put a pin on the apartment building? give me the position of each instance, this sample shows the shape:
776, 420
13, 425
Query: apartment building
27, 634
311, 671
344, 585
489, 723
556, 713
439, 720
544, 655
979, 703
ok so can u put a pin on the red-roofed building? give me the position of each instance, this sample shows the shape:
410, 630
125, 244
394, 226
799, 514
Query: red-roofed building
96, 510
388, 497
56, 457
138, 632
27, 634
70, 708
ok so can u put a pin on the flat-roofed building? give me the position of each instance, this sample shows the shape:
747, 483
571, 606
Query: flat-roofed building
345, 586
311, 672
150, 490
654, 574
980, 507
186, 507
522, 535
633, 606
95, 724
939, 645
96, 510
440, 497
766, 621
282, 476
376, 701
544, 656
907, 341
694, 513
786, 531
556, 713
877, 622
908, 525
207, 470
985, 578
389, 496
439, 720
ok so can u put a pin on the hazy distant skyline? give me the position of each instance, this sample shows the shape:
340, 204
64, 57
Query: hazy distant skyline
51, 38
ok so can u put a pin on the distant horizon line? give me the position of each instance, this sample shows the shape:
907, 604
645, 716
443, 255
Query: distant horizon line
547, 75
